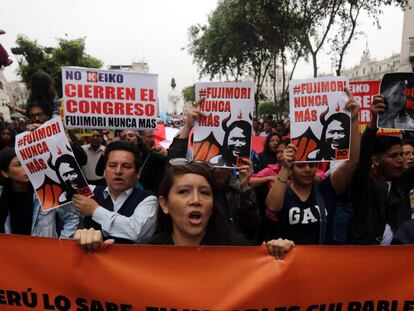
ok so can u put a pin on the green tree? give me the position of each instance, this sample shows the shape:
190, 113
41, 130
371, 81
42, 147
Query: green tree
50, 59
347, 23
243, 36
189, 94
267, 107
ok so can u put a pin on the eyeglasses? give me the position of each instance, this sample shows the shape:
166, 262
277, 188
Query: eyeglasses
33, 116
184, 161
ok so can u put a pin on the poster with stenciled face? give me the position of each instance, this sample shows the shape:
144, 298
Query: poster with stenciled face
320, 124
47, 159
398, 92
222, 135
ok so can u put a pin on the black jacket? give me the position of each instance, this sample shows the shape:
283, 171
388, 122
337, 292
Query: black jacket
373, 207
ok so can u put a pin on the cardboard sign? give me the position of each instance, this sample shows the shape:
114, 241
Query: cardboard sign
364, 92
48, 161
104, 99
320, 125
49, 274
223, 136
398, 91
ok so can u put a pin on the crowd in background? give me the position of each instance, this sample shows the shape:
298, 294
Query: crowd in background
144, 193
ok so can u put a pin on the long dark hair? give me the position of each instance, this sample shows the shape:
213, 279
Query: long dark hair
42, 93
6, 156
266, 148
217, 231
10, 128
42, 88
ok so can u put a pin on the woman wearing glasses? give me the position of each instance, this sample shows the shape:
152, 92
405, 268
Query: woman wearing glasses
188, 214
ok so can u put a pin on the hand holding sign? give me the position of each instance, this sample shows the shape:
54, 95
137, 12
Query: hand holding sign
377, 106
289, 154
86, 206
245, 170
49, 162
193, 113
352, 105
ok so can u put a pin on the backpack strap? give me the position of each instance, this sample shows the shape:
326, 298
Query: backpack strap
322, 214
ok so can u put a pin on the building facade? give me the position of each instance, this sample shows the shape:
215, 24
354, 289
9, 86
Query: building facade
267, 86
141, 67
407, 43
372, 69
14, 92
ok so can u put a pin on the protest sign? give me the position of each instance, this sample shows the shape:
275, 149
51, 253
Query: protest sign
50, 274
364, 92
223, 136
398, 91
320, 125
104, 99
48, 161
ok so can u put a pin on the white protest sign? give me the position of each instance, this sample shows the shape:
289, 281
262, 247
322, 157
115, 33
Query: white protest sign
320, 125
104, 99
223, 137
48, 161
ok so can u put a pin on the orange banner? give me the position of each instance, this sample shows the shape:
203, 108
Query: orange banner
51, 274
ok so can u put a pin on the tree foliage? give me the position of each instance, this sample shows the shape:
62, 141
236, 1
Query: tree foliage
267, 107
347, 24
336, 21
189, 94
245, 37
67, 53
258, 37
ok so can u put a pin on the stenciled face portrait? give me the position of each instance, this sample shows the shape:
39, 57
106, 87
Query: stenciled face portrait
335, 135
69, 175
237, 143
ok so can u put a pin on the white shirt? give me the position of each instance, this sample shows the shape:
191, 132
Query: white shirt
388, 234
139, 226
93, 157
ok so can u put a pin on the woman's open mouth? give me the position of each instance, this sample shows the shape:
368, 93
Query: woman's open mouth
195, 218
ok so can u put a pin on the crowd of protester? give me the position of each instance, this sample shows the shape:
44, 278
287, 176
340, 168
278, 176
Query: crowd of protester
143, 193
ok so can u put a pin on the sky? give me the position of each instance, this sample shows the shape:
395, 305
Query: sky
156, 31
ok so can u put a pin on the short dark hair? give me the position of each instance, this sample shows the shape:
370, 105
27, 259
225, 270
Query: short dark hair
121, 145
47, 109
383, 143
408, 141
